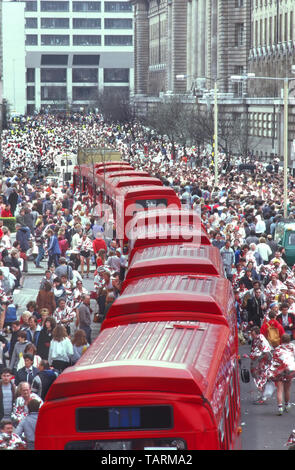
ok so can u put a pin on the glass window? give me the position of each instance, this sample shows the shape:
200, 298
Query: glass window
86, 40
117, 6
86, 6
54, 59
31, 6
30, 75
118, 40
30, 93
31, 40
86, 23
86, 59
55, 40
31, 23
53, 75
55, 23
57, 93
118, 23
85, 93
116, 75
85, 75
54, 6
30, 109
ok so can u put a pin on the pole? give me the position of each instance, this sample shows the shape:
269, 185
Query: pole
215, 135
286, 122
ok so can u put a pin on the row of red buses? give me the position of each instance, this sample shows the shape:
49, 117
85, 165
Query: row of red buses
168, 384
163, 372
125, 194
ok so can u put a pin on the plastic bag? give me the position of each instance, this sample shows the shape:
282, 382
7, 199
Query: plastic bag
269, 390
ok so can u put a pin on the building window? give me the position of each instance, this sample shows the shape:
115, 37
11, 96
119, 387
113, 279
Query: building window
118, 40
117, 6
56, 23
31, 23
116, 75
30, 93
85, 75
30, 75
86, 6
239, 34
54, 59
86, 59
30, 109
31, 6
55, 40
118, 23
86, 23
55, 93
54, 6
119, 91
89, 93
86, 40
53, 75
31, 40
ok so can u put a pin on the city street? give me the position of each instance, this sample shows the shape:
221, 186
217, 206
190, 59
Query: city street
261, 428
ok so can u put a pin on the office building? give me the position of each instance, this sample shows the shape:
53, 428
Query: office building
62, 54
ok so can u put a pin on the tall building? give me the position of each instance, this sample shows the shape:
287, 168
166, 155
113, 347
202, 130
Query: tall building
62, 54
218, 41
272, 54
159, 46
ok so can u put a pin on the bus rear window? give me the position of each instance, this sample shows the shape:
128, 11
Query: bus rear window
123, 418
128, 444
151, 203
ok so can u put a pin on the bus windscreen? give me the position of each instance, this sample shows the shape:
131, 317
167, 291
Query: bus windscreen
96, 419
152, 203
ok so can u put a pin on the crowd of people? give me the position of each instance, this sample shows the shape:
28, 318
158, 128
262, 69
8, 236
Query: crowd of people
60, 230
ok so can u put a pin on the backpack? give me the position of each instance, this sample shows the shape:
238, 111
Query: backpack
273, 335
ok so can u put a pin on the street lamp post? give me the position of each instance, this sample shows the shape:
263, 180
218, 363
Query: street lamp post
286, 123
215, 137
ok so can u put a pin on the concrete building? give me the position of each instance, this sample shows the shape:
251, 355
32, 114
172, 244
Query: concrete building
272, 54
159, 46
61, 54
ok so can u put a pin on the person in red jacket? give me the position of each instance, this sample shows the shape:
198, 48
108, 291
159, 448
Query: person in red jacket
272, 322
99, 243
6, 212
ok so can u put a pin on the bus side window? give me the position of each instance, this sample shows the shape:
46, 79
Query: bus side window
233, 401
222, 433
226, 424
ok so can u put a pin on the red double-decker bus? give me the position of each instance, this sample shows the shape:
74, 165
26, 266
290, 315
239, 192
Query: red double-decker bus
175, 259
187, 297
170, 384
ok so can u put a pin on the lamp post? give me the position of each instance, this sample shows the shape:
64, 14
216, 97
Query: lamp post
215, 136
286, 124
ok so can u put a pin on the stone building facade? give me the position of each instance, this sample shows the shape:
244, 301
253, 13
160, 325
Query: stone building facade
159, 46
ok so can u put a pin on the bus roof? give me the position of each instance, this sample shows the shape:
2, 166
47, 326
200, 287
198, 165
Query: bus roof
175, 258
157, 298
119, 182
110, 162
137, 191
178, 357
166, 234
110, 168
182, 216
127, 172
